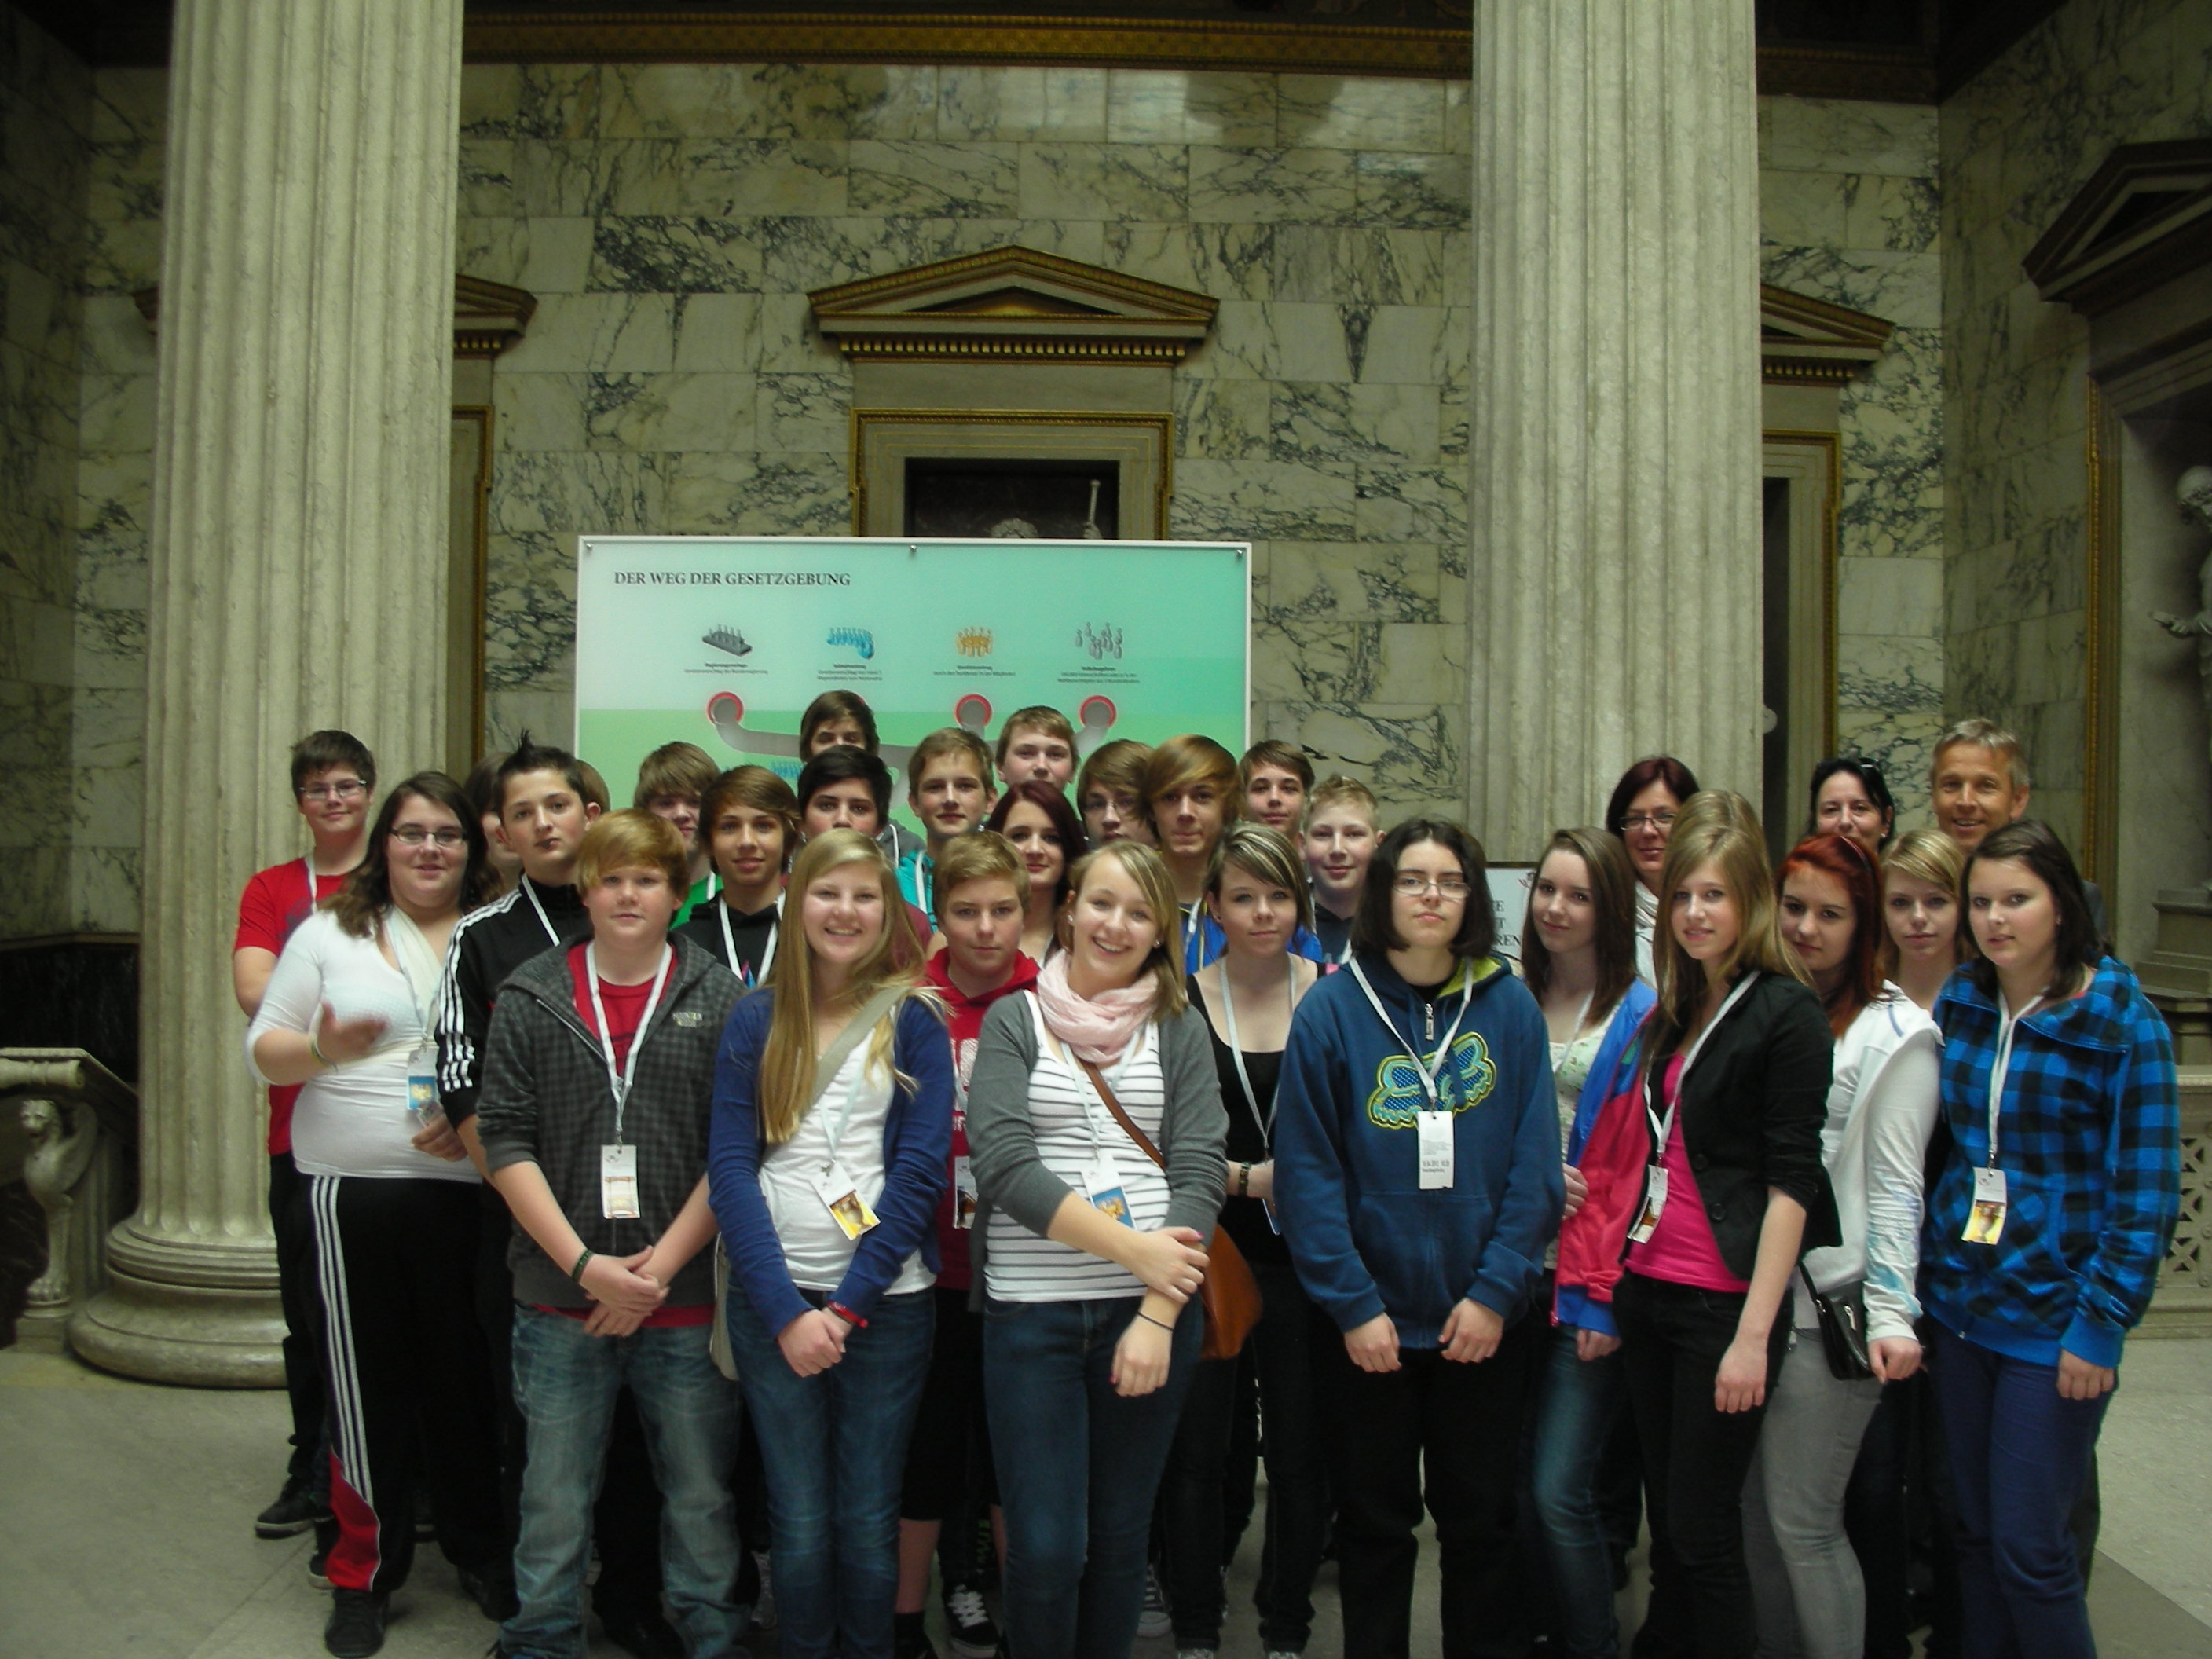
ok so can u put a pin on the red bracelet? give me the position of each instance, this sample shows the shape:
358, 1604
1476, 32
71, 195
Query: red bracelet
847, 1314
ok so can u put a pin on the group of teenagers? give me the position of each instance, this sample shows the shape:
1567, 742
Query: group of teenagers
637, 1171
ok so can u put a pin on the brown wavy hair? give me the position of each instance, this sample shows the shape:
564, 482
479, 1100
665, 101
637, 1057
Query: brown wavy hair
366, 894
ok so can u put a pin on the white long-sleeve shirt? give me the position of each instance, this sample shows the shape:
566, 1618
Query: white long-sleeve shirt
1881, 1110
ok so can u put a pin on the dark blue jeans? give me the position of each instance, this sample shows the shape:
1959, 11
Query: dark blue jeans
1577, 1404
833, 1447
1078, 1468
2020, 1454
566, 1381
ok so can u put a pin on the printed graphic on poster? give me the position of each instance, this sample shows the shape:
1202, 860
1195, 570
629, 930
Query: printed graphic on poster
723, 641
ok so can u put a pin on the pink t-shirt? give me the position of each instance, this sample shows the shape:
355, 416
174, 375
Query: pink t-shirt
1681, 1249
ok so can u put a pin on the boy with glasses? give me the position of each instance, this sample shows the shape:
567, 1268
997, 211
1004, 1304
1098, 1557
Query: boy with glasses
333, 782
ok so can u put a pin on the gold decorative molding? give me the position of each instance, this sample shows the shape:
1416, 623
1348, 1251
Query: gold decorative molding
1888, 78
488, 317
679, 37
2100, 633
1013, 304
1804, 341
999, 429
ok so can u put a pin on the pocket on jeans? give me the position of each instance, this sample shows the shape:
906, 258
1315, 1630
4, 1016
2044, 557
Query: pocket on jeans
996, 1312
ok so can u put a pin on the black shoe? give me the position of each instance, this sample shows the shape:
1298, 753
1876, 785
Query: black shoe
319, 1563
643, 1632
355, 1629
296, 1508
975, 1636
493, 1591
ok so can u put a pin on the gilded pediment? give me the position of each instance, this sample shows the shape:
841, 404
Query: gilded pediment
1804, 341
1012, 303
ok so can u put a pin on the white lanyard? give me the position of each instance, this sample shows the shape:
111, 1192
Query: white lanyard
530, 892
619, 1081
308, 865
2008, 1022
1430, 1070
1237, 1051
1581, 1014
400, 950
1086, 1093
1663, 1127
1190, 935
730, 945
924, 884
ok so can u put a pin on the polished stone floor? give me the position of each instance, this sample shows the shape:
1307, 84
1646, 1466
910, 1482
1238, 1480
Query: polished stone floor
125, 1528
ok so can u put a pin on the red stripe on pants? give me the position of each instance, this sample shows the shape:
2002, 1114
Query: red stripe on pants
357, 1554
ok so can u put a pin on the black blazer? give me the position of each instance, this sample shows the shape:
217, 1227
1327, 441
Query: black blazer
1753, 1108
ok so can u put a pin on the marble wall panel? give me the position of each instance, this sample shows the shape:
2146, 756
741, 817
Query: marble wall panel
2017, 143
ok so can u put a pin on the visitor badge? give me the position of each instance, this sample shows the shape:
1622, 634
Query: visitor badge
965, 1196
618, 1183
1986, 1220
422, 1084
1436, 1130
846, 1205
1105, 1192
1655, 1202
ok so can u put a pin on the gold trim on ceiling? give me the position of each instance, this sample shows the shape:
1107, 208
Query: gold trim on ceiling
1304, 48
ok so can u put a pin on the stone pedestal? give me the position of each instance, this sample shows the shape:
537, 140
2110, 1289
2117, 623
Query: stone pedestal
299, 573
2177, 973
1614, 448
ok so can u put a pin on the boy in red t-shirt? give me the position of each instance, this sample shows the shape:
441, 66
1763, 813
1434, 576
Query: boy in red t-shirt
333, 782
982, 890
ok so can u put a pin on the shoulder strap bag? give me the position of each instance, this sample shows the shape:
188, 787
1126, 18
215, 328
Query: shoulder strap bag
1229, 1293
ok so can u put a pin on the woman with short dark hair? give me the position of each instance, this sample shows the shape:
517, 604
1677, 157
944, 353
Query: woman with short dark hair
1642, 810
1418, 1180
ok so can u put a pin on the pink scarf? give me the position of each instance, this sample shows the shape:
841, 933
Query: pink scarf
1097, 1029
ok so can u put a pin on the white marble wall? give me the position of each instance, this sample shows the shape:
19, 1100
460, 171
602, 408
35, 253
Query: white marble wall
2017, 144
46, 121
671, 220
1849, 208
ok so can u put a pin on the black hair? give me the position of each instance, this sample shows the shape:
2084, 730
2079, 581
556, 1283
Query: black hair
841, 762
531, 755
1373, 930
1679, 779
319, 751
2036, 845
1870, 778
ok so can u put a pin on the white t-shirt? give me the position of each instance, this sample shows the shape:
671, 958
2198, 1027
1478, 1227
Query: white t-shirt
353, 1120
1073, 1127
815, 1252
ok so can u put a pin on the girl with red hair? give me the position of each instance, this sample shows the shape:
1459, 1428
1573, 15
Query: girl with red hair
1881, 1109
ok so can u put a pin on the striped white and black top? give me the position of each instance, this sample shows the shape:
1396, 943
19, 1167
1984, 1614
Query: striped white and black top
1073, 1127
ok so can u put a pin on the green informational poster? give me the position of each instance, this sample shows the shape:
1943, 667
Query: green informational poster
725, 639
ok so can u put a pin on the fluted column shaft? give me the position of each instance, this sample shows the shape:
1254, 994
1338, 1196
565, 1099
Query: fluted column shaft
1615, 457
298, 571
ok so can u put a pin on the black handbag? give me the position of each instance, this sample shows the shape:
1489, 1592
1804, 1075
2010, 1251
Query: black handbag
1843, 1327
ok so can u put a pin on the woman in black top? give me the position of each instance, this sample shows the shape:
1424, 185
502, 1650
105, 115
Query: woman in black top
1256, 892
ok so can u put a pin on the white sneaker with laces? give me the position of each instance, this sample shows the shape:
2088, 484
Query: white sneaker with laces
1155, 1621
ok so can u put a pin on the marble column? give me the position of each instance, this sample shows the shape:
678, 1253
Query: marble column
1613, 460
299, 573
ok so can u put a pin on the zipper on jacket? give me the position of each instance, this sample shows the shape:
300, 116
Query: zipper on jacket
1428, 1023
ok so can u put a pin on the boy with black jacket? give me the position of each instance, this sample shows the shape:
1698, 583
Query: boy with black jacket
599, 1076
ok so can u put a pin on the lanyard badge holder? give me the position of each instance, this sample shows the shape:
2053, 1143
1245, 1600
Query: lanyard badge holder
840, 1193
1434, 1121
1266, 1122
1985, 1216
1654, 1173
618, 1194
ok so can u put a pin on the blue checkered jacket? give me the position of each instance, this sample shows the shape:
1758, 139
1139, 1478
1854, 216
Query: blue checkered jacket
2089, 1139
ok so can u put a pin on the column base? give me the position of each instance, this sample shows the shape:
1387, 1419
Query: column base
185, 1311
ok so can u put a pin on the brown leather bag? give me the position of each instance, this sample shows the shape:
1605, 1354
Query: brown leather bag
1229, 1293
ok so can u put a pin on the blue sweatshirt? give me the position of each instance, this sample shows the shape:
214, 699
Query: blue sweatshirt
2089, 1140
1366, 1238
1613, 1069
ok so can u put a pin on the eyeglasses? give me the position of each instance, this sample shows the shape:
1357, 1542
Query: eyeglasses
343, 789
1648, 821
1413, 886
413, 835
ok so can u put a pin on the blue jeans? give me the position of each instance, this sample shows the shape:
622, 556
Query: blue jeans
565, 1385
1076, 1544
833, 1447
2019, 1454
1577, 1404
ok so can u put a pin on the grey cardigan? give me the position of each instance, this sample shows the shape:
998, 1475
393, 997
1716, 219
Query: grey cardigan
1011, 1176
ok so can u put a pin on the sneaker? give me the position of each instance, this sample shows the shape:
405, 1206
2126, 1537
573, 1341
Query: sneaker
296, 1508
1284, 1653
1194, 1653
974, 1634
1155, 1621
355, 1629
492, 1589
318, 1568
764, 1603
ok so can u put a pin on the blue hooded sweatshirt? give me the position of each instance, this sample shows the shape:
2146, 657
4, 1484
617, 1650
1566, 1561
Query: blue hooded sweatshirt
1613, 1070
1366, 1238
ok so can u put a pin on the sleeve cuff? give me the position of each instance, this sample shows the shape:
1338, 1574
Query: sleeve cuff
2099, 1344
